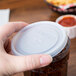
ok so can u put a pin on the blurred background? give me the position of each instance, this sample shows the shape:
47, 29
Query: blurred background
32, 11
27, 10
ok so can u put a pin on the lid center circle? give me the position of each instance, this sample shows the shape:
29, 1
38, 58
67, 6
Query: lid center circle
37, 40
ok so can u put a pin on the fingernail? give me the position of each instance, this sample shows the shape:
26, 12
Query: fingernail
45, 60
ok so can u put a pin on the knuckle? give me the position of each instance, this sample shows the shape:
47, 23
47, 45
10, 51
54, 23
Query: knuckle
31, 63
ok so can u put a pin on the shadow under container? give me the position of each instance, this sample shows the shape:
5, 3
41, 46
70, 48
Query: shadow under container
44, 37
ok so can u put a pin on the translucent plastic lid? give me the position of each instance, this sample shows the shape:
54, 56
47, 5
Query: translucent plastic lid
43, 37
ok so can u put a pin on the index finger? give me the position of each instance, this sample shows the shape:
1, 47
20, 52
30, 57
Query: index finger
11, 27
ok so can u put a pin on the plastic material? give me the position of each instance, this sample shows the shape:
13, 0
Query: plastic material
43, 37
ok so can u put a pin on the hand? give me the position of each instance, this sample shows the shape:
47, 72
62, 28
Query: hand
10, 64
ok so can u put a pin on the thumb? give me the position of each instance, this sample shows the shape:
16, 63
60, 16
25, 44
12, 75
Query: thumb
24, 63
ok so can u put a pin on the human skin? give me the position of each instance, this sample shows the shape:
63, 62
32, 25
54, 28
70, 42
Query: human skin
10, 64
